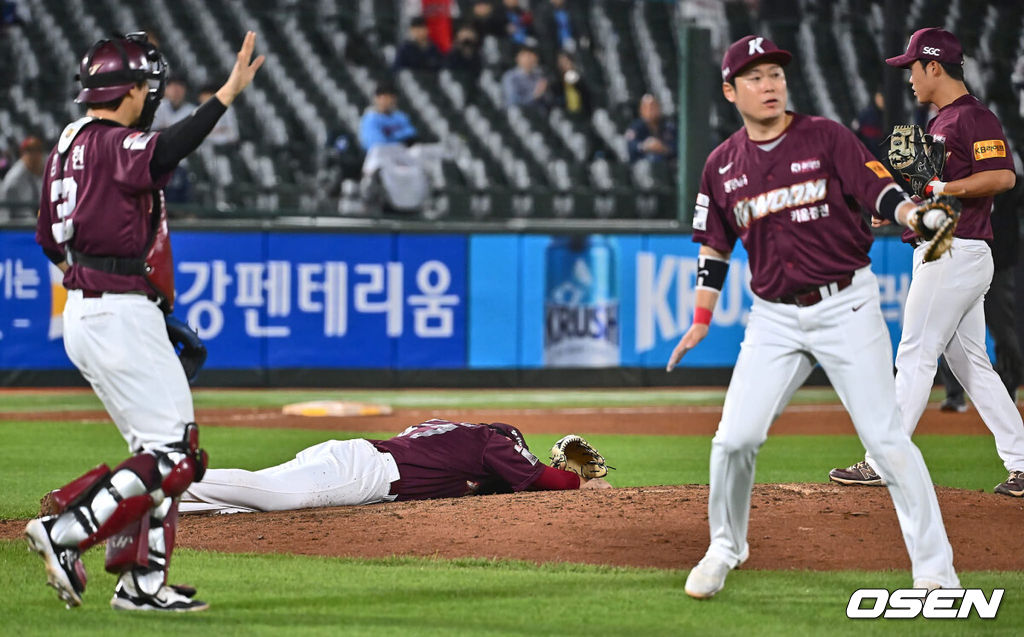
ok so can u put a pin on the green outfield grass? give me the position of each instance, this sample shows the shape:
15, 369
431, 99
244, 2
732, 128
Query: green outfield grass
278, 594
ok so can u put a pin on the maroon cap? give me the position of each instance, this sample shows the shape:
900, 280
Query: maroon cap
930, 44
746, 51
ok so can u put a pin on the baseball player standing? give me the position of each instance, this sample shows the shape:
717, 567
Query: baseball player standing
944, 312
101, 221
434, 459
781, 185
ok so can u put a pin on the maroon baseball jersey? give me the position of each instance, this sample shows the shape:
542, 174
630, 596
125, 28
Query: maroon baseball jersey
974, 142
792, 206
443, 459
105, 190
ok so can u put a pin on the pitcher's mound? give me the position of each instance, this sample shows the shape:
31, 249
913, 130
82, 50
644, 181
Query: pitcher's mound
320, 408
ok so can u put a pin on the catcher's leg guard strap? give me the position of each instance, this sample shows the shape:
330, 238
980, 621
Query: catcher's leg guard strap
79, 489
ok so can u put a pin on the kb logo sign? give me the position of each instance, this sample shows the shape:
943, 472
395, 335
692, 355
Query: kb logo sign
907, 603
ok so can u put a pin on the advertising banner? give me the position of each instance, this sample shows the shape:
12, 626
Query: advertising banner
264, 300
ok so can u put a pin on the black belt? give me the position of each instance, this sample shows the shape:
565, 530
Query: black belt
813, 294
126, 266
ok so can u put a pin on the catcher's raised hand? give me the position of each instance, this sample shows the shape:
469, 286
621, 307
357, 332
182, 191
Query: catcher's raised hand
244, 70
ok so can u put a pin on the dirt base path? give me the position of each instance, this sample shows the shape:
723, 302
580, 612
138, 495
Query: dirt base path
662, 421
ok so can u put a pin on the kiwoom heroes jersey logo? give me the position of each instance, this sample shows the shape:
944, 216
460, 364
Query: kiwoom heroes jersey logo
807, 192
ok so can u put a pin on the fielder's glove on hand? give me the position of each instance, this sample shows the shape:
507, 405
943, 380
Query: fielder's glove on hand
573, 453
187, 344
916, 157
935, 220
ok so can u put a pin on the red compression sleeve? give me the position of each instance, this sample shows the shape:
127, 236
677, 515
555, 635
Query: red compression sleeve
552, 479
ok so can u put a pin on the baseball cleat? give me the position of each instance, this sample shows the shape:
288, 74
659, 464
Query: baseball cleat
860, 474
1014, 485
927, 585
953, 405
167, 599
707, 578
64, 571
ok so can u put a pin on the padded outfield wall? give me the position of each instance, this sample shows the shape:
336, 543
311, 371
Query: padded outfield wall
404, 306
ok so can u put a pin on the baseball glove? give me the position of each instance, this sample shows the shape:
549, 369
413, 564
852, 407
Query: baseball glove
187, 344
935, 220
916, 157
573, 453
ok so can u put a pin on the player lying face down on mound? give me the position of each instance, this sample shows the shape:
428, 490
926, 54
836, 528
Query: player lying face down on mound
434, 459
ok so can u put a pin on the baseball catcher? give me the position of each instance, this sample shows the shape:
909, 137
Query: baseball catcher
573, 453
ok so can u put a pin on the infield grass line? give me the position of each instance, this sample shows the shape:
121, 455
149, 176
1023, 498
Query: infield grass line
13, 400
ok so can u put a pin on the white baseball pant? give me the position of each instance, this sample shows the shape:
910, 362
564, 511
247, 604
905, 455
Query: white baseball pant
332, 473
945, 314
119, 343
847, 335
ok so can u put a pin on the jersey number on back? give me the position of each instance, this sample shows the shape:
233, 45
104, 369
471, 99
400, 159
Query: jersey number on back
64, 193
421, 431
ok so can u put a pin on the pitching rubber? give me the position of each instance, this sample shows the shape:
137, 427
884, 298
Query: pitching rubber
320, 408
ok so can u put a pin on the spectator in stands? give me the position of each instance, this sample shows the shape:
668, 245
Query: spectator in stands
418, 53
651, 136
395, 170
487, 21
464, 58
383, 123
226, 130
174, 108
554, 28
524, 85
13, 12
437, 15
569, 91
518, 22
869, 125
24, 181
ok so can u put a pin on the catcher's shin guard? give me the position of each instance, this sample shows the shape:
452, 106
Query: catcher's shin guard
120, 500
147, 544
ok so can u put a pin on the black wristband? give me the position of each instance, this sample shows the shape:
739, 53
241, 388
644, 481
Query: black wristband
889, 201
711, 272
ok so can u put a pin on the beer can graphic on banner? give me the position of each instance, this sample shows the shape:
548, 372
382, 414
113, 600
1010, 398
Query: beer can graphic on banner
581, 303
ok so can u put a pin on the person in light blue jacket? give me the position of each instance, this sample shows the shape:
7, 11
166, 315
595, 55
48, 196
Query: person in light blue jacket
383, 123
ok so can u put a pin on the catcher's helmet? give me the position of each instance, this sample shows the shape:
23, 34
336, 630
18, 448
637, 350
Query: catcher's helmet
113, 66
